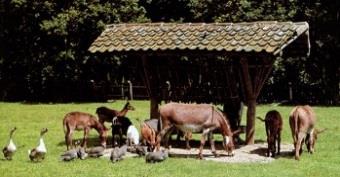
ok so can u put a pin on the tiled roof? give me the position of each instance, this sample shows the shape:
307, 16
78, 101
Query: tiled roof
269, 36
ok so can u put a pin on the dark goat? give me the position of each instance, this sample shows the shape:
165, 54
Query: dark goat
273, 123
120, 126
106, 114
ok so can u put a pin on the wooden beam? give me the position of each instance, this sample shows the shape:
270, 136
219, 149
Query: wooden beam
252, 85
250, 100
154, 101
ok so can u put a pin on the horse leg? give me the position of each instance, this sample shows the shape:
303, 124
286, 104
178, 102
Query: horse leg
203, 138
86, 133
161, 135
120, 136
212, 143
268, 139
68, 138
274, 146
278, 142
168, 135
187, 140
298, 148
269, 147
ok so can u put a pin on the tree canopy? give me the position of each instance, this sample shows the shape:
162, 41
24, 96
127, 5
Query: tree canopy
44, 56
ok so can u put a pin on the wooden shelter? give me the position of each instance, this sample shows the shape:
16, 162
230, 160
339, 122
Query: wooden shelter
216, 62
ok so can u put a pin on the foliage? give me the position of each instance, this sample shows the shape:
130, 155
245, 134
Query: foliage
44, 57
45, 42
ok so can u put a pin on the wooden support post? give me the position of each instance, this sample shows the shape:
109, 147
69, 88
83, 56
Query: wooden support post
250, 129
252, 86
154, 113
250, 99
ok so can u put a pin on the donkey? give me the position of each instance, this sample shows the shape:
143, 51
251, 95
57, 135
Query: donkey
302, 121
273, 124
82, 121
106, 115
196, 118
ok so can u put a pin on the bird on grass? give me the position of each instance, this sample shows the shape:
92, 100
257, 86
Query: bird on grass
38, 154
10, 149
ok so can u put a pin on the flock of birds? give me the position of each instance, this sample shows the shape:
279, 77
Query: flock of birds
37, 154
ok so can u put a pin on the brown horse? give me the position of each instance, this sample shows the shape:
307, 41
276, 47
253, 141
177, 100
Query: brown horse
302, 121
106, 115
196, 118
82, 121
273, 124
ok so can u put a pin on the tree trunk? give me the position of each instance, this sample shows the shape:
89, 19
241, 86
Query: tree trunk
154, 113
250, 131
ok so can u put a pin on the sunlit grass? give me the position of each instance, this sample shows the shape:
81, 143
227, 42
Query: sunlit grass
29, 119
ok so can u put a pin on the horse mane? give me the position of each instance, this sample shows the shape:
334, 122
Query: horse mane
224, 119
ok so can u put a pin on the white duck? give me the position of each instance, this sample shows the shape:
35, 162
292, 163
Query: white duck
38, 154
10, 149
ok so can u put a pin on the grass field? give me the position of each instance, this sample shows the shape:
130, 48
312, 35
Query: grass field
30, 118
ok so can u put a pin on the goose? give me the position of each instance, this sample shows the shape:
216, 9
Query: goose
10, 149
38, 154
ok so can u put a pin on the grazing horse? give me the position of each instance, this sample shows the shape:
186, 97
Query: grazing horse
82, 121
273, 124
106, 115
196, 118
302, 121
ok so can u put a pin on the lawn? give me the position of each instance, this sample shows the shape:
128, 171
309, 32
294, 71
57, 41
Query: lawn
30, 118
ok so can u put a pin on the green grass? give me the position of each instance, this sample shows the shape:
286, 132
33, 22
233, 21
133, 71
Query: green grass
29, 119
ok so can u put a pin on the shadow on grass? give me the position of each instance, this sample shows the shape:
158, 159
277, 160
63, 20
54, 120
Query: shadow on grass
91, 142
262, 151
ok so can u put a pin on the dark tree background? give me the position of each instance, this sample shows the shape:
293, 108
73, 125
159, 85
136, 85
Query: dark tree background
44, 57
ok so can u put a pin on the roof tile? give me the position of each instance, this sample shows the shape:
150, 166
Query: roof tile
268, 36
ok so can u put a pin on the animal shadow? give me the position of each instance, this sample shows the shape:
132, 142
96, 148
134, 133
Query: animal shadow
91, 141
262, 151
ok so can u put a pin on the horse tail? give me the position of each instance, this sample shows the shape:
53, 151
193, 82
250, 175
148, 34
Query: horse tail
261, 119
65, 123
294, 116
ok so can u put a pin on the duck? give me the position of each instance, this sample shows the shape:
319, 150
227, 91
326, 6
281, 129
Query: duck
96, 151
118, 153
10, 149
38, 154
77, 152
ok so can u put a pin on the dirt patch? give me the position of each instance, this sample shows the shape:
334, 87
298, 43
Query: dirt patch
245, 154
255, 153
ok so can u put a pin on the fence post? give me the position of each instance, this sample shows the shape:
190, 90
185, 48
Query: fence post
122, 90
130, 89
290, 91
